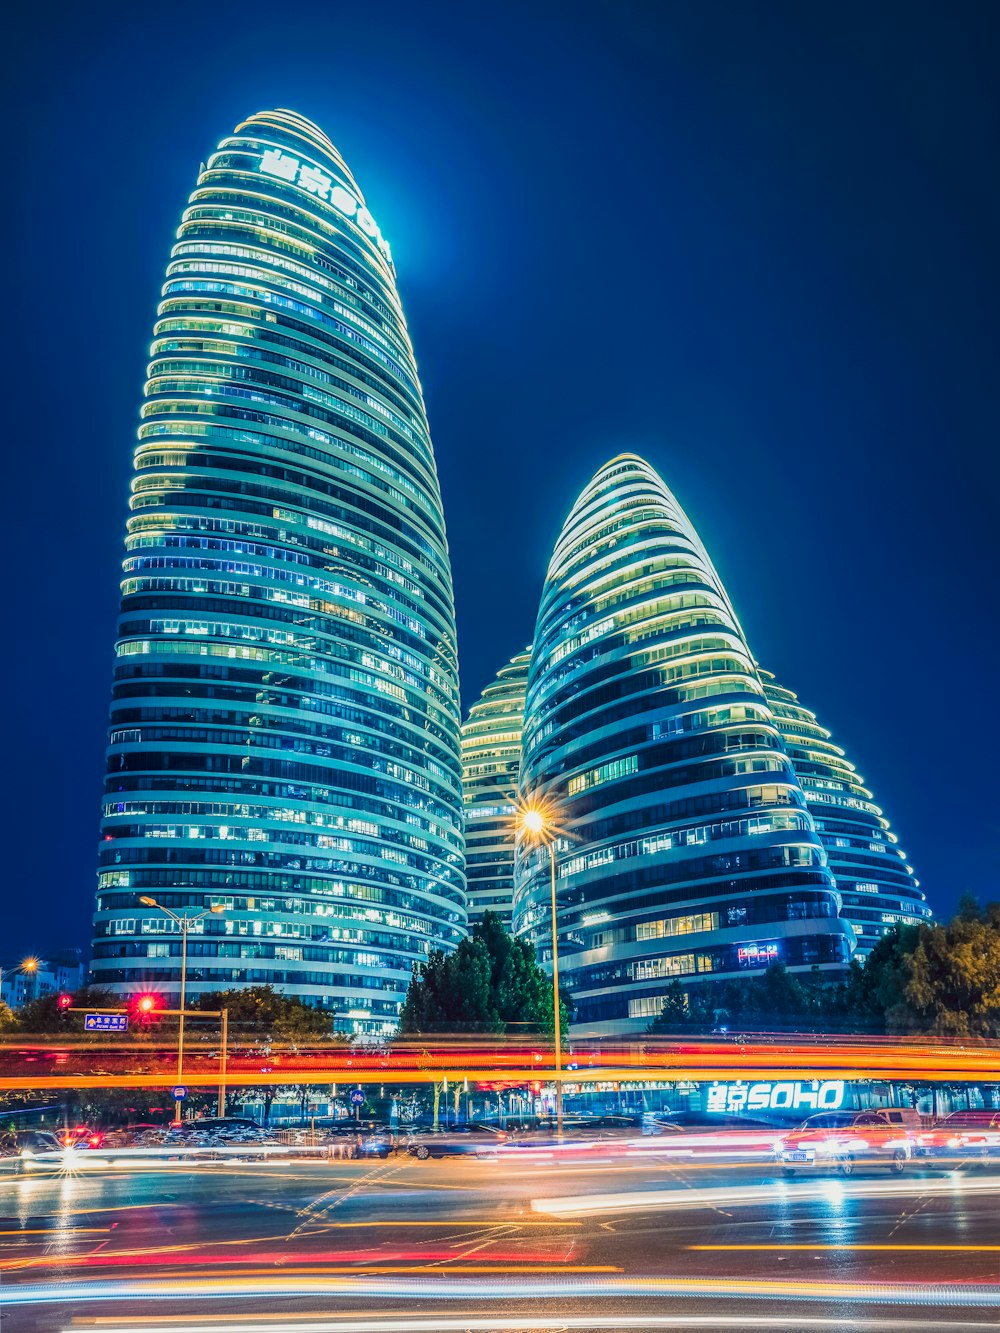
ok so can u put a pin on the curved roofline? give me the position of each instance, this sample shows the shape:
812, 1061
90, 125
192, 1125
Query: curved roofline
292, 122
645, 471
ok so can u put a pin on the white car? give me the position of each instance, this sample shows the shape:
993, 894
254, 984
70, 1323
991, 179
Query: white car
844, 1140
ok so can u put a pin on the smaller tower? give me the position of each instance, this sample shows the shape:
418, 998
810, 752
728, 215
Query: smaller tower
491, 757
877, 886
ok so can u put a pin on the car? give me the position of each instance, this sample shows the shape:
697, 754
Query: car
375, 1145
841, 1140
585, 1129
962, 1137
217, 1125
455, 1141
40, 1145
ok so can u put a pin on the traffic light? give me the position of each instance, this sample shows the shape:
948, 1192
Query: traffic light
145, 1006
65, 1000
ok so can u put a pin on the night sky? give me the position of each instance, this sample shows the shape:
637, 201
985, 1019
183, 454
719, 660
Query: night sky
756, 243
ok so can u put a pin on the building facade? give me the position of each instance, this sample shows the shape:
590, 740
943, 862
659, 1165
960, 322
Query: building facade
689, 852
491, 757
284, 734
877, 886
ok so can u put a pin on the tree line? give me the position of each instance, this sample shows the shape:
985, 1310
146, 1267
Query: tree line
932, 980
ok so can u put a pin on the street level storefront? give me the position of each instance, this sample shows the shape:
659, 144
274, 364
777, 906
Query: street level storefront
778, 1099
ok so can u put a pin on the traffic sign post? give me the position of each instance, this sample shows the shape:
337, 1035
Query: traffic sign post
357, 1101
105, 1023
178, 1093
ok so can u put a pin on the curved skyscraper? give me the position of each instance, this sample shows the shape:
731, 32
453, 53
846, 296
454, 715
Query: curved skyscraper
491, 756
689, 853
284, 736
876, 885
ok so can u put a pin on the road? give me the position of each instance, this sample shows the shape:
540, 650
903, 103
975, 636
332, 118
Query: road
547, 1244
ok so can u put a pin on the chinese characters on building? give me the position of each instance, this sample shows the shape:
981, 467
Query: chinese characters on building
738, 1097
313, 180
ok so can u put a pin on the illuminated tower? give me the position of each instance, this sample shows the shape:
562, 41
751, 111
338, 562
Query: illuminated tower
491, 755
691, 853
876, 885
284, 735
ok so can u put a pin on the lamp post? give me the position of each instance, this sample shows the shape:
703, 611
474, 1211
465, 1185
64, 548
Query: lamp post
185, 922
537, 822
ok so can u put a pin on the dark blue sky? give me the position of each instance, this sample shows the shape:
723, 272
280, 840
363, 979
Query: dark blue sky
756, 243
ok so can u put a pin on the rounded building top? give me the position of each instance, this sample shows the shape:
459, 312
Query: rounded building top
291, 124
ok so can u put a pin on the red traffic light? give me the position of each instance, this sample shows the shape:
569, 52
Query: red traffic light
146, 1005
65, 1001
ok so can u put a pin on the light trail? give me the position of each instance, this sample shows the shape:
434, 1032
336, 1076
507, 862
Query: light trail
55, 1230
859, 1246
456, 1222
642, 1060
338, 1322
776, 1192
980, 1072
571, 1286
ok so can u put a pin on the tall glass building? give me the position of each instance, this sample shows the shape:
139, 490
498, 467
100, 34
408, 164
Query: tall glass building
491, 757
689, 850
284, 735
877, 886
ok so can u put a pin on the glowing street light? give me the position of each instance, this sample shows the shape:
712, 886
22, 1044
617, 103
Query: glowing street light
29, 966
536, 819
185, 922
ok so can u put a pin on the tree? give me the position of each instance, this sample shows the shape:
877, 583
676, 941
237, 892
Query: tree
952, 976
871, 998
262, 1011
693, 1009
776, 999
490, 983
45, 1016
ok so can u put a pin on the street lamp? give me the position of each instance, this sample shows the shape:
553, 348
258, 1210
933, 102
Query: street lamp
184, 922
28, 967
536, 820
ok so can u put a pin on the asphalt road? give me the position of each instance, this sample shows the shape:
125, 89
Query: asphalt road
407, 1245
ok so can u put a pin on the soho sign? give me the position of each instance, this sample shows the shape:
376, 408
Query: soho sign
274, 162
827, 1096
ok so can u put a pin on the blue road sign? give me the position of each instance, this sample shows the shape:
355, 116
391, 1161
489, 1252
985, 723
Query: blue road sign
105, 1023
178, 1093
357, 1097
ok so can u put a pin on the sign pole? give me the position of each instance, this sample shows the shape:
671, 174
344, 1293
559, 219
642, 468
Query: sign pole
222, 1064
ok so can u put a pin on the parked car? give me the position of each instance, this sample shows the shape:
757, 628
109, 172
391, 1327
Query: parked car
843, 1140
